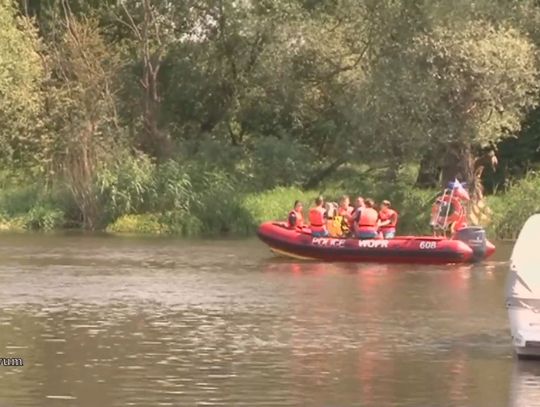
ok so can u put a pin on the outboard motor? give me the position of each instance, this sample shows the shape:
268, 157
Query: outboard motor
475, 237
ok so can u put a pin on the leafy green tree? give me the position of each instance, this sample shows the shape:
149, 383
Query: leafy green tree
21, 75
463, 87
81, 111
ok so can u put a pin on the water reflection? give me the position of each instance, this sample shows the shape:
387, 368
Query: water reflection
159, 322
525, 387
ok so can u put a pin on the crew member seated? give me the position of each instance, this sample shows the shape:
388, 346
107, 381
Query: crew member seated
388, 218
358, 206
296, 217
345, 210
330, 215
317, 219
367, 222
336, 224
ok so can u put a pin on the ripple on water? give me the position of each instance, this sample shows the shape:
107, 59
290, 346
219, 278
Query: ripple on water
140, 323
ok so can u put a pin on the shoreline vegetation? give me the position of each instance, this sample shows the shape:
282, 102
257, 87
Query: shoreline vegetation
207, 118
240, 213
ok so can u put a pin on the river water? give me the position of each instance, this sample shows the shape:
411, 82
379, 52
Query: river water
123, 321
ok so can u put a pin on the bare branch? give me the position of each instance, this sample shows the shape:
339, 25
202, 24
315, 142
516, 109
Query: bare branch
132, 23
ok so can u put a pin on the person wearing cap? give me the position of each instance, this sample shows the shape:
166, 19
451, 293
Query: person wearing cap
387, 220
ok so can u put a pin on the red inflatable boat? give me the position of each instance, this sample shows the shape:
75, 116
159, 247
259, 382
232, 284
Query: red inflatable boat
468, 245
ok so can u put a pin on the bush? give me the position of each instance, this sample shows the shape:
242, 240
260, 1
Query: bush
218, 204
180, 223
9, 223
124, 186
145, 223
514, 207
275, 204
280, 162
33, 207
226, 217
16, 200
43, 218
171, 188
170, 222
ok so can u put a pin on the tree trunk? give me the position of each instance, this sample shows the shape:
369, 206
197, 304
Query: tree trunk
429, 174
461, 163
458, 163
80, 172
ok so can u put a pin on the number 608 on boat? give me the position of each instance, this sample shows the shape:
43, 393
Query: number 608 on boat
428, 245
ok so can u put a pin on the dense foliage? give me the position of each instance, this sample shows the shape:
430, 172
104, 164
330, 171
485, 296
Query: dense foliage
197, 117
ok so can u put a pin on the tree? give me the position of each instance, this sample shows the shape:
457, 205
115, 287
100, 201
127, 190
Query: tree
21, 75
466, 87
152, 30
81, 110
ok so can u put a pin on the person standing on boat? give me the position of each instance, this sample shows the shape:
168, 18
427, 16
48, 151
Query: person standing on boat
368, 221
317, 219
388, 218
296, 216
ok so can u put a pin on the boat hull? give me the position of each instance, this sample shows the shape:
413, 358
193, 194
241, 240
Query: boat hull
525, 329
401, 249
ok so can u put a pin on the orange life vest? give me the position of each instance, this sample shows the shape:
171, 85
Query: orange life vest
368, 220
316, 219
345, 212
388, 214
456, 213
460, 223
299, 219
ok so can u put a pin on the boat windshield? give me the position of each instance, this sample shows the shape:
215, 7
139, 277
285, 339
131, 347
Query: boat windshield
525, 262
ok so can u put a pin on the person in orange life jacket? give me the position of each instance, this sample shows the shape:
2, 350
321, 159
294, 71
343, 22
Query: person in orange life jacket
296, 217
367, 221
458, 220
459, 224
447, 213
387, 220
317, 219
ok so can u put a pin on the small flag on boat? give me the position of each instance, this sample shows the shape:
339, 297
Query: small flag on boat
459, 190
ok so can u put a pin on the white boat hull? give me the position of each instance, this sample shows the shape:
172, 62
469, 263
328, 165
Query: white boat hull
525, 328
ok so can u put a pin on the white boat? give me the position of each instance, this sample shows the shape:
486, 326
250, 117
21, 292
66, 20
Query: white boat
523, 290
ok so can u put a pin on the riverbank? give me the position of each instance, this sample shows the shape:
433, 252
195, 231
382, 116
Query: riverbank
33, 208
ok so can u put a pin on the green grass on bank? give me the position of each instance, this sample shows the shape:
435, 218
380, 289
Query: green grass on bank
237, 213
512, 209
